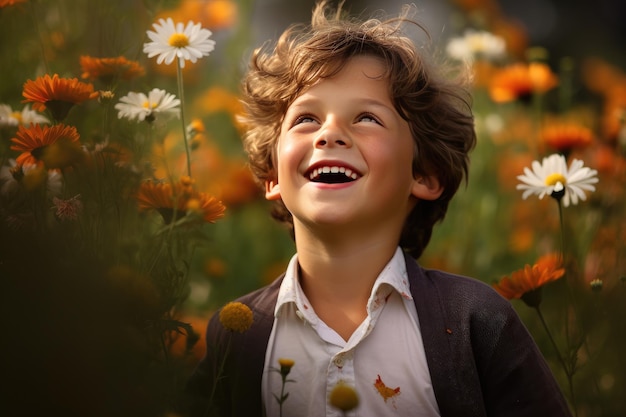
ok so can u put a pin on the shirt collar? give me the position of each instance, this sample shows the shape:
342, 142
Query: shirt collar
394, 274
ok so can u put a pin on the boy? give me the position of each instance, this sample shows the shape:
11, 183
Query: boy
362, 146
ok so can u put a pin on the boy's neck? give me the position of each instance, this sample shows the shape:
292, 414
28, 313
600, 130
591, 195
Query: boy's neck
337, 277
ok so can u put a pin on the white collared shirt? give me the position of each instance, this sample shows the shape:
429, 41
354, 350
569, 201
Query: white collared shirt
383, 359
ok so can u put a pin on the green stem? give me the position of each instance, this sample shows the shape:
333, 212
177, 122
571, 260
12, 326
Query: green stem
552, 341
181, 96
39, 37
572, 346
220, 371
569, 373
282, 396
562, 225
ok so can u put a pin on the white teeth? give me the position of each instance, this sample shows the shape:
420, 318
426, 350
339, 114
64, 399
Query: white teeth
332, 169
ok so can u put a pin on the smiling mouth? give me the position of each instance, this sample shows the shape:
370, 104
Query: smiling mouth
332, 175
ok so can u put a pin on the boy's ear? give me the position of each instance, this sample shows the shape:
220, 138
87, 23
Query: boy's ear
426, 188
272, 190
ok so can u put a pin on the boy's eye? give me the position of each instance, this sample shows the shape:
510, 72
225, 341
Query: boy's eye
304, 119
366, 117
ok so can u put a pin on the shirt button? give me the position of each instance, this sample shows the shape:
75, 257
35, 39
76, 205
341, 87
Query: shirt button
339, 361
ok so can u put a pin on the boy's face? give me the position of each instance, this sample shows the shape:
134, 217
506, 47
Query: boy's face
344, 154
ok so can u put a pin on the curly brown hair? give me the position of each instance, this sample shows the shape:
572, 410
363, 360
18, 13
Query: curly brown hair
436, 107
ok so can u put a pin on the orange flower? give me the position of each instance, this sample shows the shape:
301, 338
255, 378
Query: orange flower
614, 112
220, 14
53, 146
514, 34
610, 82
174, 202
608, 161
473, 5
57, 94
212, 14
565, 136
215, 267
525, 282
520, 81
218, 99
5, 3
238, 185
601, 77
108, 69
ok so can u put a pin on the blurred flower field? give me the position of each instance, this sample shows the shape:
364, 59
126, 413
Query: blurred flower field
128, 215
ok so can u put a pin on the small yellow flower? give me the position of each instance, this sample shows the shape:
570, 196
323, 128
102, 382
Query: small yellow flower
285, 365
596, 284
194, 206
236, 316
104, 96
343, 397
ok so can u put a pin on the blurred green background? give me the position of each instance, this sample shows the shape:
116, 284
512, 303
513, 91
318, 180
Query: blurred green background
73, 345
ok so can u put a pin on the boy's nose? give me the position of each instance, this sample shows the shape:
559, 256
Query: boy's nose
331, 136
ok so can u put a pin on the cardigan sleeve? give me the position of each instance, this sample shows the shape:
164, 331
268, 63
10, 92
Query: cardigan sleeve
515, 378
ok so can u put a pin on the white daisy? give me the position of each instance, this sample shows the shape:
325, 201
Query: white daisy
178, 41
141, 107
12, 177
10, 118
552, 177
476, 44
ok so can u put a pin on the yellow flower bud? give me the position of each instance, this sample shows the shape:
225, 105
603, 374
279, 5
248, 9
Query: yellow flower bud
236, 316
344, 397
285, 365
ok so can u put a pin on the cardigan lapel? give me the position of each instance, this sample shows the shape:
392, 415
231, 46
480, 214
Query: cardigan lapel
441, 342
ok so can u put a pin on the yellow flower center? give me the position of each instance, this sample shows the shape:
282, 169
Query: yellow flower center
194, 205
17, 115
178, 40
476, 44
554, 179
148, 105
